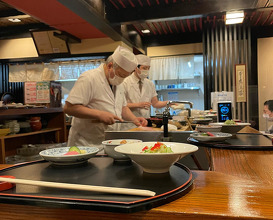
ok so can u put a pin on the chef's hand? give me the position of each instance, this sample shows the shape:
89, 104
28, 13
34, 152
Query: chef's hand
144, 104
108, 118
140, 121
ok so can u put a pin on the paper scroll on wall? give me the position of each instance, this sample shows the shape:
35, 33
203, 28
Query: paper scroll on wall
240, 82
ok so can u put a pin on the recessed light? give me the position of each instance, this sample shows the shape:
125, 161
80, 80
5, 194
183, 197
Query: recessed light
146, 31
14, 20
132, 32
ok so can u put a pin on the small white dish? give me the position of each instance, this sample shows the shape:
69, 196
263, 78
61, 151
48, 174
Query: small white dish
210, 128
56, 155
156, 162
218, 136
198, 120
233, 128
109, 146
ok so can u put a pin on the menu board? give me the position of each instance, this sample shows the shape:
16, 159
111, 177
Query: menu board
47, 43
37, 92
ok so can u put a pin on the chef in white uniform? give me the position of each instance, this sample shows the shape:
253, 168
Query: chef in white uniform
141, 97
96, 101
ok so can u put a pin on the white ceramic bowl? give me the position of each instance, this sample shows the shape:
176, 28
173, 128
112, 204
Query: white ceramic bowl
109, 146
156, 162
210, 128
56, 155
232, 129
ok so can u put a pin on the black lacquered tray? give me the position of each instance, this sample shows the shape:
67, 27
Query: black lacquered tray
100, 171
239, 142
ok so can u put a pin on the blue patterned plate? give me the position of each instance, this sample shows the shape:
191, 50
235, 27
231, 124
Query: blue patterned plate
56, 155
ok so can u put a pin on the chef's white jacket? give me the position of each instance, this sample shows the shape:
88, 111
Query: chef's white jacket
133, 95
93, 91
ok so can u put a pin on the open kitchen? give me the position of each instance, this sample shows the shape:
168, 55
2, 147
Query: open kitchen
136, 109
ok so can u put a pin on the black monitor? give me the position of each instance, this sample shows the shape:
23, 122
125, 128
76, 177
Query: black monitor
224, 111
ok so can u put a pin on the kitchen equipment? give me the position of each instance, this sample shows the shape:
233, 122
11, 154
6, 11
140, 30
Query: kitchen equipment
156, 162
103, 189
154, 120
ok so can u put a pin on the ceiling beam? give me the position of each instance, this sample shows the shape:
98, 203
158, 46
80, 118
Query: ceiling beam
175, 11
93, 15
10, 12
21, 30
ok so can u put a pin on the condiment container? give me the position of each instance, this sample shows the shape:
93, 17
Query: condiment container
35, 123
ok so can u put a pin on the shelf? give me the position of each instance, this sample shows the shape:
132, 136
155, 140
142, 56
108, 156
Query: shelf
47, 130
179, 89
54, 133
28, 111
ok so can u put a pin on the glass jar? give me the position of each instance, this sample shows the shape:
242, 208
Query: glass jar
35, 123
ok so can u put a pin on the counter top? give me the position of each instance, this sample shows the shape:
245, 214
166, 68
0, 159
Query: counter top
215, 195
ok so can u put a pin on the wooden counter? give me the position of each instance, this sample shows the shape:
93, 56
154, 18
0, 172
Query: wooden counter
215, 195
250, 165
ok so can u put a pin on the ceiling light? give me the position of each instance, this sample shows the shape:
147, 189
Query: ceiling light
14, 20
235, 21
146, 31
234, 17
132, 32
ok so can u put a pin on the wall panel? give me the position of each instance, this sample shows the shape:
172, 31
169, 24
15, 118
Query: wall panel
226, 46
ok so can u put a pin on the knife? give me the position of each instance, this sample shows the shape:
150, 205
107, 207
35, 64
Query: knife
116, 121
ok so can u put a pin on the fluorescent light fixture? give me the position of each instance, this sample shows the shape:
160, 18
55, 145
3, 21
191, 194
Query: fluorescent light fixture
14, 20
234, 17
234, 21
234, 14
146, 31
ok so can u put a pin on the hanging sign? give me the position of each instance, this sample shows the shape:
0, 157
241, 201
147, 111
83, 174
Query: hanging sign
240, 83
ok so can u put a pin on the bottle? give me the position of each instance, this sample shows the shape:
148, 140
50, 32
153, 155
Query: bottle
35, 123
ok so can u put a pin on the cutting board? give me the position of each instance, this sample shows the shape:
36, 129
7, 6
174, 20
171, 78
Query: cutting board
145, 129
183, 128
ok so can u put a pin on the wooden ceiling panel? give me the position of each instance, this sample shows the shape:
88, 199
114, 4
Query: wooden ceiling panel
165, 19
56, 15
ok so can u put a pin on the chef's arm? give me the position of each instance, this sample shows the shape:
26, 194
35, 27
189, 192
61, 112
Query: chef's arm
158, 104
81, 111
139, 105
128, 115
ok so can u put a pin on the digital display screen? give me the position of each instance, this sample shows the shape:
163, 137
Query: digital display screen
224, 111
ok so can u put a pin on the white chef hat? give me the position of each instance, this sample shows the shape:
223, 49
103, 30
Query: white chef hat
125, 59
143, 60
